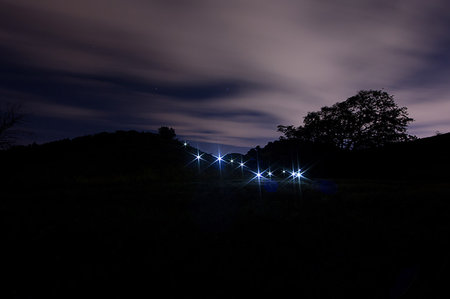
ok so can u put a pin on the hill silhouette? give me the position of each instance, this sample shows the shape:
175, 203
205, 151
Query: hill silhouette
425, 158
122, 155
149, 156
124, 214
104, 154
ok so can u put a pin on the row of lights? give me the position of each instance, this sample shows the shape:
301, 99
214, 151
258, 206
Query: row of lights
258, 175
293, 174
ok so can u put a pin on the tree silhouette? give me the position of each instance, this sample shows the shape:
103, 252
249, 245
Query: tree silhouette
369, 119
10, 116
167, 133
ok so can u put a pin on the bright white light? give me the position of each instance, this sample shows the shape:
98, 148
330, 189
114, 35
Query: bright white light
198, 157
258, 175
232, 161
219, 158
185, 143
270, 173
284, 171
242, 164
294, 174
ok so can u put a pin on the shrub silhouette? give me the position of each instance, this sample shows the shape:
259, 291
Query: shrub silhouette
167, 133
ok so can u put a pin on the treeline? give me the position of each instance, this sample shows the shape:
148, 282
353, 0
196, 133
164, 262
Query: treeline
123, 153
420, 159
362, 137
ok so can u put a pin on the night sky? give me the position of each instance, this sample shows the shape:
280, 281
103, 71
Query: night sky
221, 72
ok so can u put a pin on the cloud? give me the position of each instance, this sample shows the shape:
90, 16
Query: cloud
227, 71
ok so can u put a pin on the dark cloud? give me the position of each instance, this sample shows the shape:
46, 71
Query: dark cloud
218, 71
64, 86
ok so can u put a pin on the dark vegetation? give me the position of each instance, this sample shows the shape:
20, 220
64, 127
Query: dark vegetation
124, 214
419, 159
131, 214
10, 117
367, 120
365, 137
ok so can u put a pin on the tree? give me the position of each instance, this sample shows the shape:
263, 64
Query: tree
167, 133
10, 117
369, 119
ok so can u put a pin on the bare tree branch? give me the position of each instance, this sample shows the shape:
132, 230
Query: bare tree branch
10, 117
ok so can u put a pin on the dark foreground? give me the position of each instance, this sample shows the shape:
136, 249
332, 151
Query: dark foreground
369, 239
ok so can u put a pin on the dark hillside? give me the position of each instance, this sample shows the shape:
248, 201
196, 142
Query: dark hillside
291, 154
108, 155
124, 157
425, 158
422, 159
131, 214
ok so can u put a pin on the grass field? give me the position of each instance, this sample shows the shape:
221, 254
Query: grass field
224, 238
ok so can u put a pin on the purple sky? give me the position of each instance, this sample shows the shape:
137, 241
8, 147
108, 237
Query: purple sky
225, 72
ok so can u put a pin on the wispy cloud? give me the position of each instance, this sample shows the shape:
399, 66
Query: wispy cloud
223, 71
